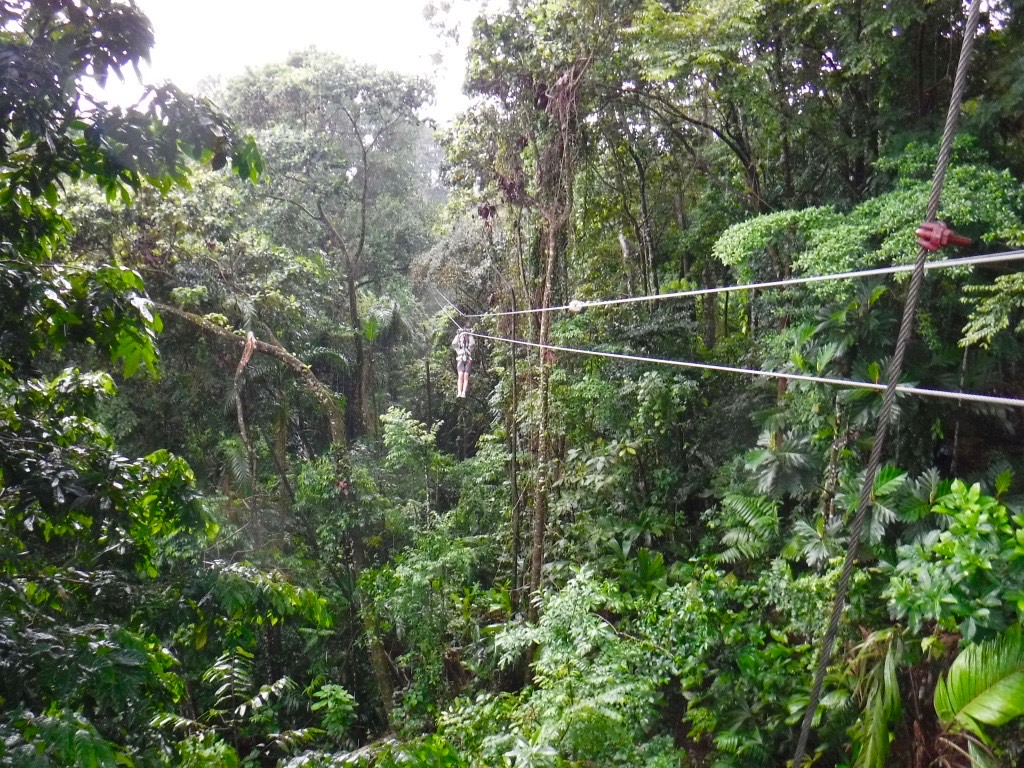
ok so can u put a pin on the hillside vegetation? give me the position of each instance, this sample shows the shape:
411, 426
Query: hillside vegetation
245, 521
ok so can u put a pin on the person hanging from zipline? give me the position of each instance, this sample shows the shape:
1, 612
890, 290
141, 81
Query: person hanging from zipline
463, 346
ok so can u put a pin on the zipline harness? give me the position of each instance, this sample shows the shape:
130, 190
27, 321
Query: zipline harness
463, 344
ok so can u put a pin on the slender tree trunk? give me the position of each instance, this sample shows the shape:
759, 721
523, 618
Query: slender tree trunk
243, 433
243, 429
955, 459
379, 662
513, 449
710, 311
645, 235
840, 439
784, 129
364, 408
430, 396
368, 401
682, 223
627, 268
280, 454
540, 501
645, 276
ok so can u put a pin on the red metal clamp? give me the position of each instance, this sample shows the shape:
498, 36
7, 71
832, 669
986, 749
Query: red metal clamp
933, 235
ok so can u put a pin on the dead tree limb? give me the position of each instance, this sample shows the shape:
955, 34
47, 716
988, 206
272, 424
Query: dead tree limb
311, 383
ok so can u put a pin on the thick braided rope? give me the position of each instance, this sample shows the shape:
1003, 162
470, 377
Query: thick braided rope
895, 371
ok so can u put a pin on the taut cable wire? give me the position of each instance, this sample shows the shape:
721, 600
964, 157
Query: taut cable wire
577, 305
895, 370
903, 389
456, 309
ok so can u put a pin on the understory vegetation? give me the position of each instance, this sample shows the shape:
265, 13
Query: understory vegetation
244, 520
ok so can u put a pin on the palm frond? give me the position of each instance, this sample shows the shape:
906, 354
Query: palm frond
984, 686
236, 462
817, 543
292, 741
264, 695
246, 307
232, 673
751, 523
878, 659
783, 465
330, 356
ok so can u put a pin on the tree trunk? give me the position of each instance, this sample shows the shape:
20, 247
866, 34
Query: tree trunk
955, 459
280, 455
540, 501
379, 662
840, 439
513, 473
363, 416
364, 421
645, 234
710, 311
682, 223
243, 429
624, 245
430, 397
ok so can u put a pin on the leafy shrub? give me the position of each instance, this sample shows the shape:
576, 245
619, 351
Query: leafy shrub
965, 578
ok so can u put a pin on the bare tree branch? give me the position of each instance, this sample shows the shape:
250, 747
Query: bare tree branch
312, 384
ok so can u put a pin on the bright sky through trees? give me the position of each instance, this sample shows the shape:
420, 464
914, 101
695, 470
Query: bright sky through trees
197, 39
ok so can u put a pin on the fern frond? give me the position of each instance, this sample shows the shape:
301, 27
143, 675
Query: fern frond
264, 695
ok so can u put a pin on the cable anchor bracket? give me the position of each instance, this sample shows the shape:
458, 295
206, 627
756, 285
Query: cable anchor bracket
932, 235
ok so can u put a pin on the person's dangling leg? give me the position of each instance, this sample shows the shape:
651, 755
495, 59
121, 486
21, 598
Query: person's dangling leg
461, 366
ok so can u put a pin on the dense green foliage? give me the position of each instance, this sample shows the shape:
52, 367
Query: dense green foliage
245, 522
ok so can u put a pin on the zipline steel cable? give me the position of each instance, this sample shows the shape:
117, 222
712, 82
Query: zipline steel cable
456, 309
904, 389
577, 305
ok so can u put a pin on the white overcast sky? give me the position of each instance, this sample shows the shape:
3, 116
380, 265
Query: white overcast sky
196, 39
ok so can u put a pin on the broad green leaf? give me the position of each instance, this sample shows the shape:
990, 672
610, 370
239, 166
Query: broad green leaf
984, 686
